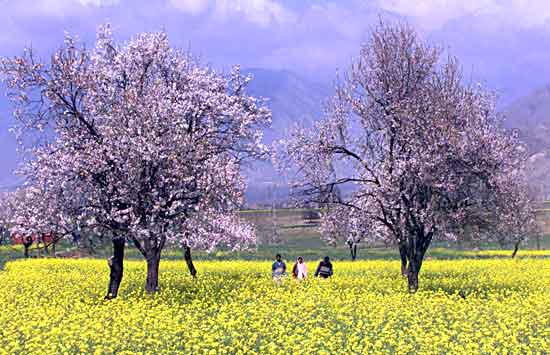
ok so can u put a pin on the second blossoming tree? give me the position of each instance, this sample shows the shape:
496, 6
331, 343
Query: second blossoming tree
420, 154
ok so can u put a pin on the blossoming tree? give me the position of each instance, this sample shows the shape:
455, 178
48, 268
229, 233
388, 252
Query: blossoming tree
42, 212
5, 216
422, 154
150, 142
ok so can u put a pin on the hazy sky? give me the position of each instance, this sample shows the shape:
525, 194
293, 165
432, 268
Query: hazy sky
504, 43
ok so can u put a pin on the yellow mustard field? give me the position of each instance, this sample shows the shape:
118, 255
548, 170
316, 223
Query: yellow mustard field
490, 306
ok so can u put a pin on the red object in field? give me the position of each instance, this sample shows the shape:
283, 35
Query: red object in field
17, 238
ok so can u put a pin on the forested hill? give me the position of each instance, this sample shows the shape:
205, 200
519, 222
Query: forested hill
292, 98
531, 115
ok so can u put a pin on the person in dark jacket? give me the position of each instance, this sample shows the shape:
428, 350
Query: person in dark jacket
324, 269
278, 269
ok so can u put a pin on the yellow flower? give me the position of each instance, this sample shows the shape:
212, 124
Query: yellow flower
464, 306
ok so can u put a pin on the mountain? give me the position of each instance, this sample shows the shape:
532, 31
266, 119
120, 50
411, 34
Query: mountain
496, 53
531, 116
292, 99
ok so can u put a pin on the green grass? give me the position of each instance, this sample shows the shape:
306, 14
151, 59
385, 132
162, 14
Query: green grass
296, 237
10, 252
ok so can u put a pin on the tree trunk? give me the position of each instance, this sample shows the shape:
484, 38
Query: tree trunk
27, 246
153, 262
189, 261
415, 263
403, 255
53, 248
516, 247
416, 246
117, 266
538, 241
91, 247
151, 248
46, 250
352, 250
38, 250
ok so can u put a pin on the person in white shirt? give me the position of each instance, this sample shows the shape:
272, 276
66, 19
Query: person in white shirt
299, 271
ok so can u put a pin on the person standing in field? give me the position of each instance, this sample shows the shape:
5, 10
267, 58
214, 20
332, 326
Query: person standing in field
324, 269
299, 271
278, 269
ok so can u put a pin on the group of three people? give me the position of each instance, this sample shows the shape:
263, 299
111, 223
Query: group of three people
299, 270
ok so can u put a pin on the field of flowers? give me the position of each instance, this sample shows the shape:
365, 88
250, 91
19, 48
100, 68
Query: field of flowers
488, 306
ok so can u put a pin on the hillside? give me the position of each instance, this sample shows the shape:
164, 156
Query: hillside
531, 115
293, 100
297, 100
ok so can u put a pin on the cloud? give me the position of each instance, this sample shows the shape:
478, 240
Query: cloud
434, 14
98, 3
55, 8
259, 12
192, 7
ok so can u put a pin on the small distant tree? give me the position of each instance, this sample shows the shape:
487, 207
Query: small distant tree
517, 224
38, 213
9, 217
350, 229
149, 141
4, 217
424, 154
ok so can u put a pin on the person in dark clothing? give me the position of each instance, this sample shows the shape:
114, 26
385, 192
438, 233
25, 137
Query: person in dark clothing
278, 269
324, 269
